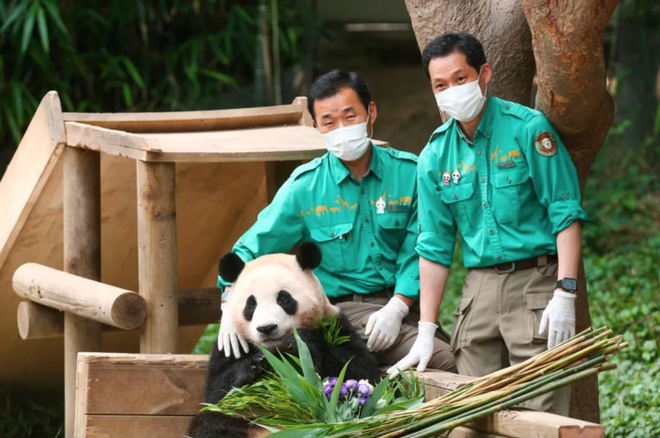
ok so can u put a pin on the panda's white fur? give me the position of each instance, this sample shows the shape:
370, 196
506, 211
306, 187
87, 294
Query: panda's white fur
263, 278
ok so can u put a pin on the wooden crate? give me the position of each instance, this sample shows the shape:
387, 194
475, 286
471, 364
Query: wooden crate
157, 395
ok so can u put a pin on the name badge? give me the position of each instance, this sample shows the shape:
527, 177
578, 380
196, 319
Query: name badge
506, 164
398, 208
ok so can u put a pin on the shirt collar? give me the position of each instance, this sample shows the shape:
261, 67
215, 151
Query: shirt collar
340, 172
485, 124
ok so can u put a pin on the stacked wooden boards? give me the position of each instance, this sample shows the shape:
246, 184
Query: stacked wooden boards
225, 173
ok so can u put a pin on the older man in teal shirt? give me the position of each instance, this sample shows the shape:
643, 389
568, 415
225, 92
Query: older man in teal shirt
358, 202
497, 173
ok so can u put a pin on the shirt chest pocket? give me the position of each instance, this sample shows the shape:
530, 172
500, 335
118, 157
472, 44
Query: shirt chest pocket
391, 230
507, 187
333, 241
458, 198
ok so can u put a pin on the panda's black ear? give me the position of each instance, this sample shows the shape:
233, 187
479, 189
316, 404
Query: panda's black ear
230, 267
308, 256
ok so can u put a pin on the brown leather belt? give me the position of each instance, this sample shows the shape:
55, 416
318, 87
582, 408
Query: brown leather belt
519, 265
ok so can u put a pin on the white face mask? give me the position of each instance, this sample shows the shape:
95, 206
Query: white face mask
462, 102
348, 142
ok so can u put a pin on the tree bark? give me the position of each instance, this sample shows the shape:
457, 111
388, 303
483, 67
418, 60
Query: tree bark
567, 44
500, 26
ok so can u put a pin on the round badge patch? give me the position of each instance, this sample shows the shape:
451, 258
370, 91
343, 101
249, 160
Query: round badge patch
546, 144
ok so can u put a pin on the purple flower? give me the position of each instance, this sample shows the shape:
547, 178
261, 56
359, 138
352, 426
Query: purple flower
351, 384
343, 392
332, 381
364, 390
362, 400
328, 391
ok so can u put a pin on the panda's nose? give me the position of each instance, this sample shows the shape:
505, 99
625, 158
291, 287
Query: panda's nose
267, 329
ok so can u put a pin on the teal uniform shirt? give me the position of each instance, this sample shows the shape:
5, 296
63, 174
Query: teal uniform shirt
508, 193
366, 231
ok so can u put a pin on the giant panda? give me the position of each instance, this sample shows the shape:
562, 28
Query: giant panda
270, 296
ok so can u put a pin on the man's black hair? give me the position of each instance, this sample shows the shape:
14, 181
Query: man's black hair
331, 83
461, 42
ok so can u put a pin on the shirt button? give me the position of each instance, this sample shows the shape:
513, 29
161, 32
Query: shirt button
506, 107
508, 180
479, 152
487, 133
372, 244
566, 196
455, 196
380, 267
396, 223
492, 231
499, 257
332, 235
485, 204
362, 192
483, 179
366, 219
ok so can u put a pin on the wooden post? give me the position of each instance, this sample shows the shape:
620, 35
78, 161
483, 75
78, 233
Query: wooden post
157, 255
82, 257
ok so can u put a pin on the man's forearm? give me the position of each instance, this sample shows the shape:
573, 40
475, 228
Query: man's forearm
433, 279
569, 249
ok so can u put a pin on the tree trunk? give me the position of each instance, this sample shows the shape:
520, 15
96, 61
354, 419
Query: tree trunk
500, 26
567, 43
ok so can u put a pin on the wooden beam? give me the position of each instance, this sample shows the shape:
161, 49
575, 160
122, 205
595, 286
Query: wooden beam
89, 299
196, 307
82, 258
157, 255
141, 426
191, 121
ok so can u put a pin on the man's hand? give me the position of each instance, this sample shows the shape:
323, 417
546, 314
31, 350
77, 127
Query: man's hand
385, 324
229, 339
559, 318
421, 351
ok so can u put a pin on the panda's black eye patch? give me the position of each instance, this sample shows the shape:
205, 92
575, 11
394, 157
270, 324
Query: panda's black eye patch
287, 302
250, 307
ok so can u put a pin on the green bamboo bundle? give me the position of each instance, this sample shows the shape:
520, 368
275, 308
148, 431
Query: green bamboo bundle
586, 354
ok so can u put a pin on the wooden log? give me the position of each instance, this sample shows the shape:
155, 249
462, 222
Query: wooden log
91, 300
82, 260
143, 391
157, 255
196, 307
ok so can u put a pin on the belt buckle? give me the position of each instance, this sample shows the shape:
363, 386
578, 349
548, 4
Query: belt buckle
506, 271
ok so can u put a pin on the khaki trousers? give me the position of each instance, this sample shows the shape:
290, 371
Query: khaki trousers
497, 324
358, 313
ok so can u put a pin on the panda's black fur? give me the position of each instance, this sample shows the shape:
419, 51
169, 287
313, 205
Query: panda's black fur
226, 373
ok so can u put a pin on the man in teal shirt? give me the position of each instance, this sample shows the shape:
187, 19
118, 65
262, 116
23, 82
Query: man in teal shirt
358, 202
497, 173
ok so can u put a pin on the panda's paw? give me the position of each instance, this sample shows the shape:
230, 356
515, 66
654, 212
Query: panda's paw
258, 365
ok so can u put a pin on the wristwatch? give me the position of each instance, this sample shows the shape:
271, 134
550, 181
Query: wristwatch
568, 284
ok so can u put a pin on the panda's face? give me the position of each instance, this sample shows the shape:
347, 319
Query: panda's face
272, 295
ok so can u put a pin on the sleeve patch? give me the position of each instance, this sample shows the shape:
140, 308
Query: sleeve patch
545, 144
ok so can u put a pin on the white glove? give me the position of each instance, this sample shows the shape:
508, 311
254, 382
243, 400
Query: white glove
421, 351
386, 324
228, 338
559, 317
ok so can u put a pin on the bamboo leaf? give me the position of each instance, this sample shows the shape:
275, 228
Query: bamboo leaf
54, 12
28, 26
220, 77
128, 98
370, 405
130, 67
307, 363
43, 29
244, 15
18, 101
334, 399
18, 10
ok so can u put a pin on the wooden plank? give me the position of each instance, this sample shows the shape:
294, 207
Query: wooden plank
82, 261
29, 169
84, 297
190, 121
111, 426
157, 256
280, 143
